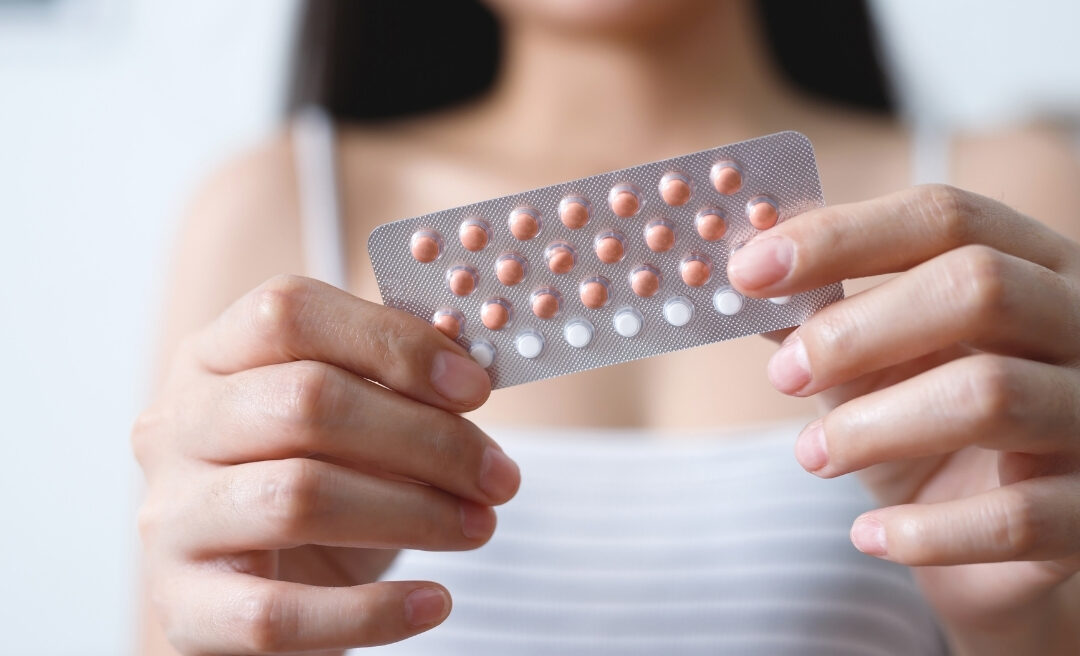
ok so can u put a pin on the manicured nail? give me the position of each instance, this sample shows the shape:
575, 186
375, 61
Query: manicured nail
761, 262
476, 520
868, 536
810, 449
789, 368
499, 475
459, 378
426, 606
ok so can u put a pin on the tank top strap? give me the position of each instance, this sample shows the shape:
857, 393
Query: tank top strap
321, 230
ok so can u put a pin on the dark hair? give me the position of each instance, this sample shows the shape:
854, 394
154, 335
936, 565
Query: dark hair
365, 60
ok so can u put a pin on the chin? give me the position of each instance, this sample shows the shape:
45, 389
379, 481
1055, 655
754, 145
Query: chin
602, 16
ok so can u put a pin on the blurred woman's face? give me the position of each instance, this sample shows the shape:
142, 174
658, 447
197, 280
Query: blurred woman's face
602, 16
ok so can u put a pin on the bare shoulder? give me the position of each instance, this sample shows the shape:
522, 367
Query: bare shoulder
240, 228
1032, 168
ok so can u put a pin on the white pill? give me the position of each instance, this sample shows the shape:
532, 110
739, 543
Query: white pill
780, 300
483, 353
578, 333
727, 301
678, 311
627, 322
529, 344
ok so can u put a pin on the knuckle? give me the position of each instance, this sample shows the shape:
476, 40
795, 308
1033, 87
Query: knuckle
143, 434
147, 521
306, 394
948, 208
976, 276
264, 621
290, 494
989, 390
834, 334
396, 340
1014, 524
278, 304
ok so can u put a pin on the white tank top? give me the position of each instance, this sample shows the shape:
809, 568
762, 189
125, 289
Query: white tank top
627, 542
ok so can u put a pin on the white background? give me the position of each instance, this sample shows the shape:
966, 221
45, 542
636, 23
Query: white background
110, 113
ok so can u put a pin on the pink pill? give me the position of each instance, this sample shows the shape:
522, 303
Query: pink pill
609, 247
510, 269
524, 224
726, 177
762, 212
695, 270
448, 322
624, 200
659, 236
710, 224
574, 212
473, 235
545, 303
645, 281
425, 246
675, 189
594, 293
495, 313
462, 280
560, 257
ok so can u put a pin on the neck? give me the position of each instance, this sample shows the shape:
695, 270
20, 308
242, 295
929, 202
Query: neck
678, 87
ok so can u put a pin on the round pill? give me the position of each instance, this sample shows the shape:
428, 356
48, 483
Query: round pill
578, 333
762, 212
560, 257
627, 322
448, 323
727, 301
710, 224
545, 303
645, 281
574, 212
529, 344
659, 236
675, 189
594, 293
483, 353
495, 314
425, 246
473, 235
524, 224
695, 270
509, 269
780, 300
462, 280
624, 201
678, 311
609, 248
726, 177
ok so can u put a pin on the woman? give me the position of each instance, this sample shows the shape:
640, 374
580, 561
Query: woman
281, 479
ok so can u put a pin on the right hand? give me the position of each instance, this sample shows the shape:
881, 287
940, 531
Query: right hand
299, 440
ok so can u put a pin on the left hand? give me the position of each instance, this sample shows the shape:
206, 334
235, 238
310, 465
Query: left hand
954, 387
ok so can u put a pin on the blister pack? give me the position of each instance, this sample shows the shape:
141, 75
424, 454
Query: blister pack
605, 269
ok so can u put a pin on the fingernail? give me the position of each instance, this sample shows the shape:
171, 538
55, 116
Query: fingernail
499, 475
459, 378
810, 449
476, 520
761, 262
868, 536
789, 368
426, 606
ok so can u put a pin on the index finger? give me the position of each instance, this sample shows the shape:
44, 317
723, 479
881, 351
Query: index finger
290, 318
886, 235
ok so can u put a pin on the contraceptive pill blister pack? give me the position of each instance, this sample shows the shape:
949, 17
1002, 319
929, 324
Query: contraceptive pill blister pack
605, 269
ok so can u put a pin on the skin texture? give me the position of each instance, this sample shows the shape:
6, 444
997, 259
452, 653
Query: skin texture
315, 410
